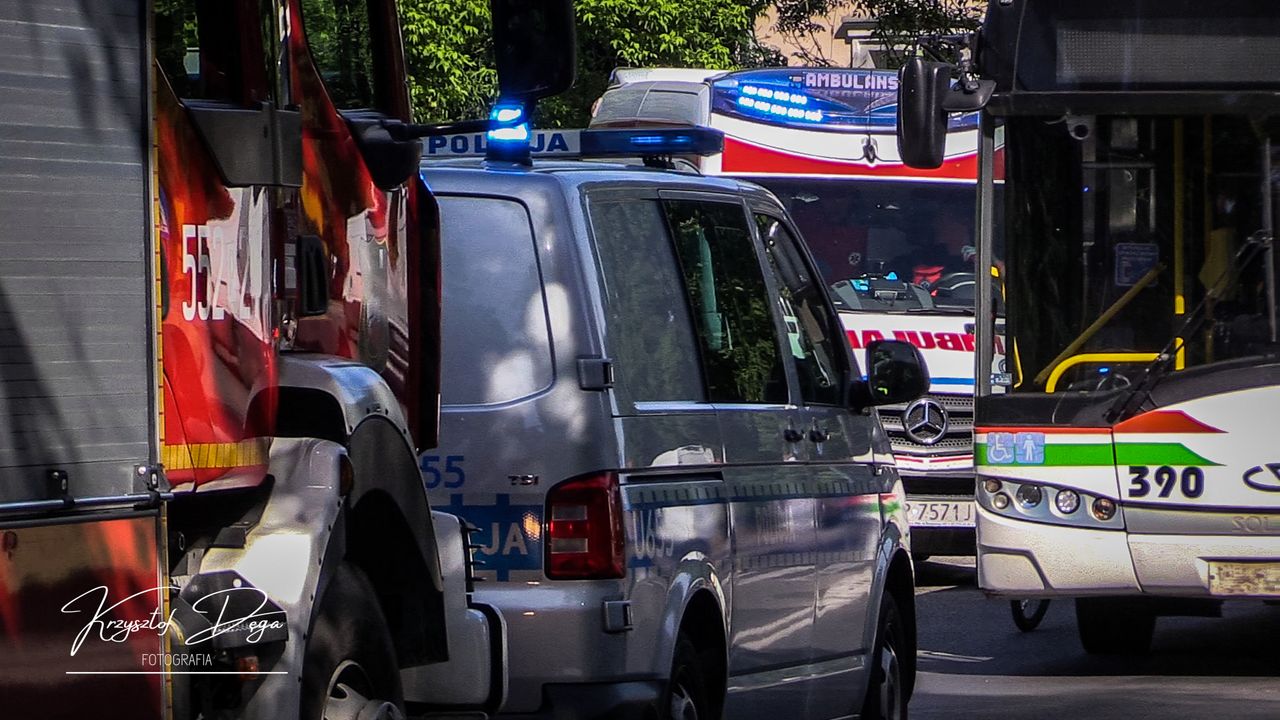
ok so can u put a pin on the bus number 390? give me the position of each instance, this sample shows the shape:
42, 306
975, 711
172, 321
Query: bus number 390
1190, 482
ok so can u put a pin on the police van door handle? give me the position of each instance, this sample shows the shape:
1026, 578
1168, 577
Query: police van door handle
817, 434
792, 435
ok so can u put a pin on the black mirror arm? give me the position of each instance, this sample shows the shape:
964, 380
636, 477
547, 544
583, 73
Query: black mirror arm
971, 93
414, 131
858, 396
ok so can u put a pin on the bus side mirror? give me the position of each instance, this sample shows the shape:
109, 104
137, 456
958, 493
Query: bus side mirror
922, 121
535, 47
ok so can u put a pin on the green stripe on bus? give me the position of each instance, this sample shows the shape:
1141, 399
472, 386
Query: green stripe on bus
1102, 455
1099, 454
1159, 454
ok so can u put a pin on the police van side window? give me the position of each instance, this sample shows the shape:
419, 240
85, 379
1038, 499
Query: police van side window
726, 290
650, 336
497, 343
809, 335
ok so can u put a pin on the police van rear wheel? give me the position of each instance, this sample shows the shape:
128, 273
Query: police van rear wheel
687, 690
1115, 626
349, 671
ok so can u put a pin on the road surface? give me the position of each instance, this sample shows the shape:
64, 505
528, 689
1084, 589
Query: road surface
974, 663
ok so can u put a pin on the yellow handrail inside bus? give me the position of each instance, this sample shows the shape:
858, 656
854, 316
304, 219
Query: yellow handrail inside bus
1102, 320
1017, 361
1075, 360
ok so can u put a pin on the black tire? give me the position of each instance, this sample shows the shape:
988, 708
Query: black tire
1027, 614
1115, 626
888, 688
687, 697
350, 647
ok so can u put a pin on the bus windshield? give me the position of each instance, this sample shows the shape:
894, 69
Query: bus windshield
887, 246
1131, 236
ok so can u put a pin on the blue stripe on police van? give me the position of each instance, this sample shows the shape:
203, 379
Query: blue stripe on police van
504, 544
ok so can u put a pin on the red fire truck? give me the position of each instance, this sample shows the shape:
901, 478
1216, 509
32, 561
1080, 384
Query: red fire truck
219, 294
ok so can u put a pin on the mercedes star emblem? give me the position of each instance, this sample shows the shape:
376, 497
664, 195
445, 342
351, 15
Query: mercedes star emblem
925, 421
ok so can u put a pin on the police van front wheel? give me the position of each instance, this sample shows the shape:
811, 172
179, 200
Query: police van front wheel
887, 693
349, 671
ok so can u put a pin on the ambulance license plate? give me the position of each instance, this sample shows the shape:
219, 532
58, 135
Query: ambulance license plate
936, 512
1255, 579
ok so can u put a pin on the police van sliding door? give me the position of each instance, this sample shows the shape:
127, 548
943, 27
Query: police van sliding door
836, 447
770, 504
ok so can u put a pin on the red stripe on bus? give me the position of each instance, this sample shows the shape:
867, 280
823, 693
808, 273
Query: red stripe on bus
1165, 421
1045, 430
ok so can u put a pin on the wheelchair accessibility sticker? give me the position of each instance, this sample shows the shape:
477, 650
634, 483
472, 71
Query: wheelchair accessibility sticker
1024, 448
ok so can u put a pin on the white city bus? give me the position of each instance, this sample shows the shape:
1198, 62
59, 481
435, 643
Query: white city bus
894, 243
1128, 459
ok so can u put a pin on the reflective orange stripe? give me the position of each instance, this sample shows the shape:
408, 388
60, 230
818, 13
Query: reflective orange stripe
205, 456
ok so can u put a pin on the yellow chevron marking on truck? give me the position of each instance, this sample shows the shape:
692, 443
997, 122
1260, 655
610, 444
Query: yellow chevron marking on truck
205, 456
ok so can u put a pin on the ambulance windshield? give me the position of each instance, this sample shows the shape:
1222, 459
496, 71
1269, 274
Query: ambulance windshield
887, 246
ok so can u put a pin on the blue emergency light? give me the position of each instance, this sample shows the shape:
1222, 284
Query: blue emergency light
509, 143
651, 142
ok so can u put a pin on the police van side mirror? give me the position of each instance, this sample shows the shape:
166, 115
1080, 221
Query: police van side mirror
896, 373
535, 46
922, 120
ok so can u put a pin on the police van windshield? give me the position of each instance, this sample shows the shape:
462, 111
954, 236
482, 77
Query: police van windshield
887, 246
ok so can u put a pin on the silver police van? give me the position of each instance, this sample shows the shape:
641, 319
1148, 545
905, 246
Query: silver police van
685, 505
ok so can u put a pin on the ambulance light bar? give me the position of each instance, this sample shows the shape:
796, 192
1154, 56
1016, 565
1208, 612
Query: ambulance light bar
699, 141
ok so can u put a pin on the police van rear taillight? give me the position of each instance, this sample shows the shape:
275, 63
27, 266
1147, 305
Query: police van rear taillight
584, 529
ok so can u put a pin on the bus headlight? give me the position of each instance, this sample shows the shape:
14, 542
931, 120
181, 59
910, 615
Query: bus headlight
1104, 509
1042, 503
1030, 495
1067, 501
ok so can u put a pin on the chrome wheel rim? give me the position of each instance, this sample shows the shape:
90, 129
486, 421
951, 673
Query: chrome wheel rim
890, 689
682, 706
349, 697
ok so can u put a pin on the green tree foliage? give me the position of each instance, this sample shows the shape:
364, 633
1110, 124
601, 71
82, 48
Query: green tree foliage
899, 23
449, 54
715, 34
451, 61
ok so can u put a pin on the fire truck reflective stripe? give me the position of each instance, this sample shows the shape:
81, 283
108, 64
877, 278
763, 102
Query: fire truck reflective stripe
207, 456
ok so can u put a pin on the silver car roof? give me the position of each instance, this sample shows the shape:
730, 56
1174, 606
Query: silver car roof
477, 175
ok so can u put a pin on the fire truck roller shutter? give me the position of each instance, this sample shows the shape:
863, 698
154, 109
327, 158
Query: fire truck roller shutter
77, 363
